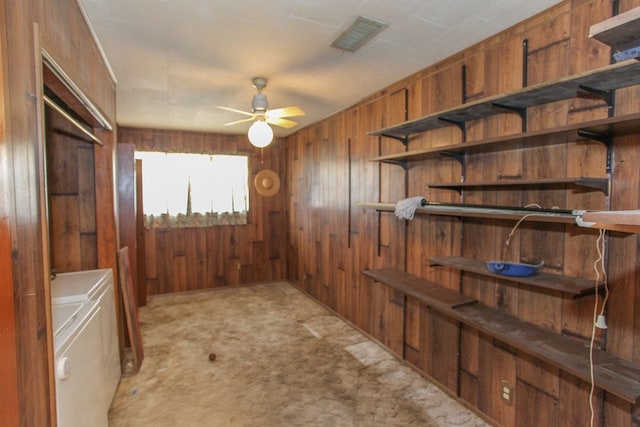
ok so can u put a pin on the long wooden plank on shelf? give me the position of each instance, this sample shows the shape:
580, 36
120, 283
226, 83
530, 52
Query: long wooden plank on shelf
610, 77
610, 126
478, 212
616, 376
574, 286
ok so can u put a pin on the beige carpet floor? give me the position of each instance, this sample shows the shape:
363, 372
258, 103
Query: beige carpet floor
282, 360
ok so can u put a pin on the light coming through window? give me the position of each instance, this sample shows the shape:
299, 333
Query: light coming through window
191, 190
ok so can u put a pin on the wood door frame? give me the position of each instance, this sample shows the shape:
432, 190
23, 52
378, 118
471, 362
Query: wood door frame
44, 216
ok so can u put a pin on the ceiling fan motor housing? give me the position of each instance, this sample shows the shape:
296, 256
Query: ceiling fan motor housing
259, 103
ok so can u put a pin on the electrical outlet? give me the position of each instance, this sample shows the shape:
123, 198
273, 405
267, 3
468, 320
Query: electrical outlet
506, 392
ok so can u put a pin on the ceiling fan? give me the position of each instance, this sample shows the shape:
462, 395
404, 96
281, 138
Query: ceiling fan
260, 111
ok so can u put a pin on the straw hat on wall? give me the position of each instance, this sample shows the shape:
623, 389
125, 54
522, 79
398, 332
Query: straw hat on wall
267, 182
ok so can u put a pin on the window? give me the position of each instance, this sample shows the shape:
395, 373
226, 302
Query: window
194, 190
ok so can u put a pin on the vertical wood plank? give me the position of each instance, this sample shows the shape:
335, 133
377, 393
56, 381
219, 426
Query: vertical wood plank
130, 307
65, 234
538, 374
531, 404
504, 369
86, 189
444, 350
8, 344
469, 349
412, 326
126, 187
574, 406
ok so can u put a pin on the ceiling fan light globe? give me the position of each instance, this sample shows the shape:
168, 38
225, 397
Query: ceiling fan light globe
260, 134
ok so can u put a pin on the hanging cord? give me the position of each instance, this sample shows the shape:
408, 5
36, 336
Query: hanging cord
600, 261
532, 205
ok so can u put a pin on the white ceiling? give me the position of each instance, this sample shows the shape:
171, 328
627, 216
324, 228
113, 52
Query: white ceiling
175, 60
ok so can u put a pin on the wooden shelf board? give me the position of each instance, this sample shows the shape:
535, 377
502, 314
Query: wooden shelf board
627, 217
601, 184
610, 77
616, 376
573, 286
610, 126
478, 212
420, 289
621, 32
626, 221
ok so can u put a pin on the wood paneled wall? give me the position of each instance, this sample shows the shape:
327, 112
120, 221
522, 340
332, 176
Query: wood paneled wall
57, 25
71, 196
182, 259
8, 343
332, 240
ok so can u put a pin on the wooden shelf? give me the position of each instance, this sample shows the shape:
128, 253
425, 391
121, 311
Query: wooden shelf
621, 32
616, 376
614, 76
611, 374
601, 184
573, 286
480, 212
429, 293
602, 128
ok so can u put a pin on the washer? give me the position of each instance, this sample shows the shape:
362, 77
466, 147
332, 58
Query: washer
78, 366
72, 295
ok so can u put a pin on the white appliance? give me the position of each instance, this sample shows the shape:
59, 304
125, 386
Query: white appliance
87, 359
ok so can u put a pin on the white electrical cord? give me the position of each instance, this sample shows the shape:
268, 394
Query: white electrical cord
600, 260
531, 205
513, 230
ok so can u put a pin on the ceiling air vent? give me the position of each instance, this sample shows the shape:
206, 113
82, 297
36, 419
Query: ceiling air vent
361, 31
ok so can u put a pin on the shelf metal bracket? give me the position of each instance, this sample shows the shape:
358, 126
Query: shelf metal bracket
606, 139
404, 164
403, 139
461, 159
461, 124
601, 185
608, 96
457, 156
520, 111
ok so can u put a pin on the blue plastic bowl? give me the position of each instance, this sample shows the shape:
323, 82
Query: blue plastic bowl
513, 269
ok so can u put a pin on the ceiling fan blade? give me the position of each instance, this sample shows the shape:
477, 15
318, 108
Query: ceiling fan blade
248, 119
246, 113
283, 123
291, 111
